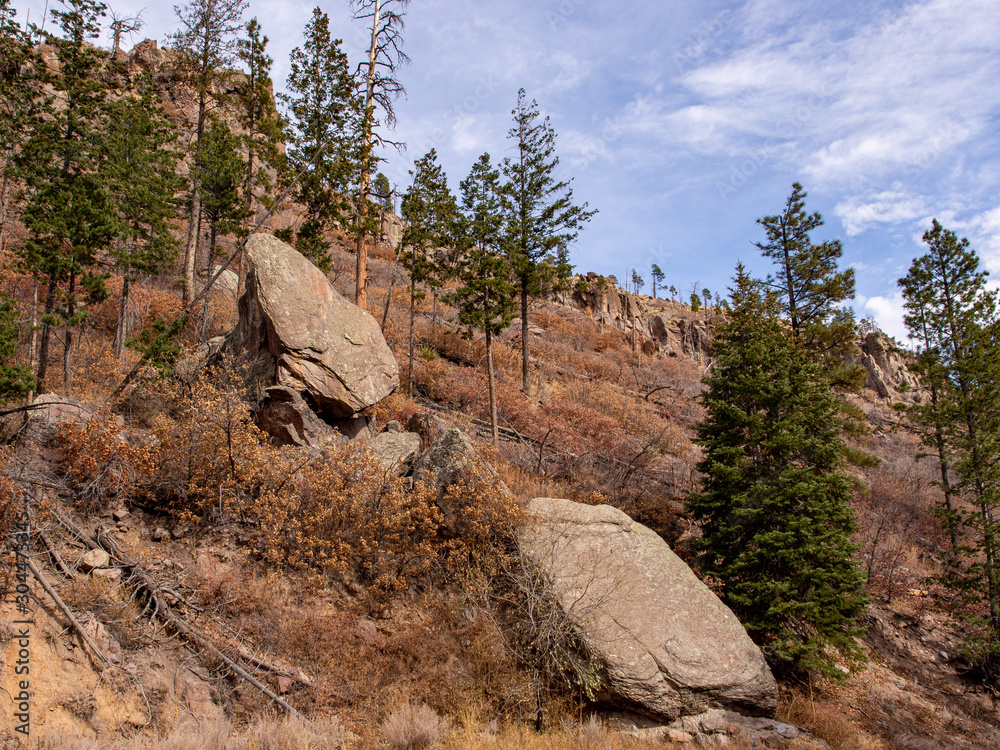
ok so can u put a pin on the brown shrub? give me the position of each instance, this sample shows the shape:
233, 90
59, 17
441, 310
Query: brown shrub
102, 465
412, 727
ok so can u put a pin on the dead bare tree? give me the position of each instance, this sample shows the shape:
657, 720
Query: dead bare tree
120, 26
382, 88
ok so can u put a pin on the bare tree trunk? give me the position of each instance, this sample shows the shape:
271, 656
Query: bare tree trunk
361, 283
191, 251
33, 340
409, 372
120, 332
211, 270
525, 374
68, 349
43, 346
494, 417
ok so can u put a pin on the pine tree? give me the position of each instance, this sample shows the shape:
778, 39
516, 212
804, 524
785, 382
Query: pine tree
541, 220
139, 166
637, 281
221, 175
207, 41
16, 381
811, 287
18, 88
382, 191
774, 507
69, 212
658, 276
323, 117
486, 298
953, 315
429, 210
258, 115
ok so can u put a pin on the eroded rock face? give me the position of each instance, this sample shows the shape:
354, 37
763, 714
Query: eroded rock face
668, 645
287, 418
396, 451
303, 335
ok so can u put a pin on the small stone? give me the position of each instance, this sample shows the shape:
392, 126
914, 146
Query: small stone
159, 534
122, 527
108, 574
284, 684
120, 515
943, 655
95, 558
393, 425
178, 532
677, 735
787, 730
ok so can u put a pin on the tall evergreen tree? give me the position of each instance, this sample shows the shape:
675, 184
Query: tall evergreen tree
138, 165
429, 210
207, 40
17, 90
16, 381
486, 297
774, 512
541, 220
222, 170
953, 315
811, 288
323, 119
69, 212
258, 115
657, 274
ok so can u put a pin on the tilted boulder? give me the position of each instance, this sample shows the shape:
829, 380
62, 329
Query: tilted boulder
302, 334
667, 645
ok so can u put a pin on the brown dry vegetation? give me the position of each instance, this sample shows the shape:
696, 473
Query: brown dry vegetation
345, 572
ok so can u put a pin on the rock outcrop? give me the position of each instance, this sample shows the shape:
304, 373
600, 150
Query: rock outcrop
888, 375
396, 450
286, 417
449, 460
667, 645
301, 334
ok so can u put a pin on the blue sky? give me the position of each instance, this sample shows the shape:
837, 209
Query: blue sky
682, 123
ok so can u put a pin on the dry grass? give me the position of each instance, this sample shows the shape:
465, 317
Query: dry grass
412, 727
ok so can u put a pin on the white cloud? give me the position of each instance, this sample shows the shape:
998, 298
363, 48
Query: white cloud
888, 313
887, 207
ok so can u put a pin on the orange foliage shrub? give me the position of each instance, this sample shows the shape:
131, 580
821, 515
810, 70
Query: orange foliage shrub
102, 465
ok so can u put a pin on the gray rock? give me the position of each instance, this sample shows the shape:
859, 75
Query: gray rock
302, 334
426, 425
667, 645
449, 460
287, 418
160, 534
120, 515
94, 559
396, 451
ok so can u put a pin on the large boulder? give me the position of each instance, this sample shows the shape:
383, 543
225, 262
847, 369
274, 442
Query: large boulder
667, 645
302, 334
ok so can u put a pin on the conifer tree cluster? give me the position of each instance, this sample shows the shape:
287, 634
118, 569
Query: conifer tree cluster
952, 317
509, 242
